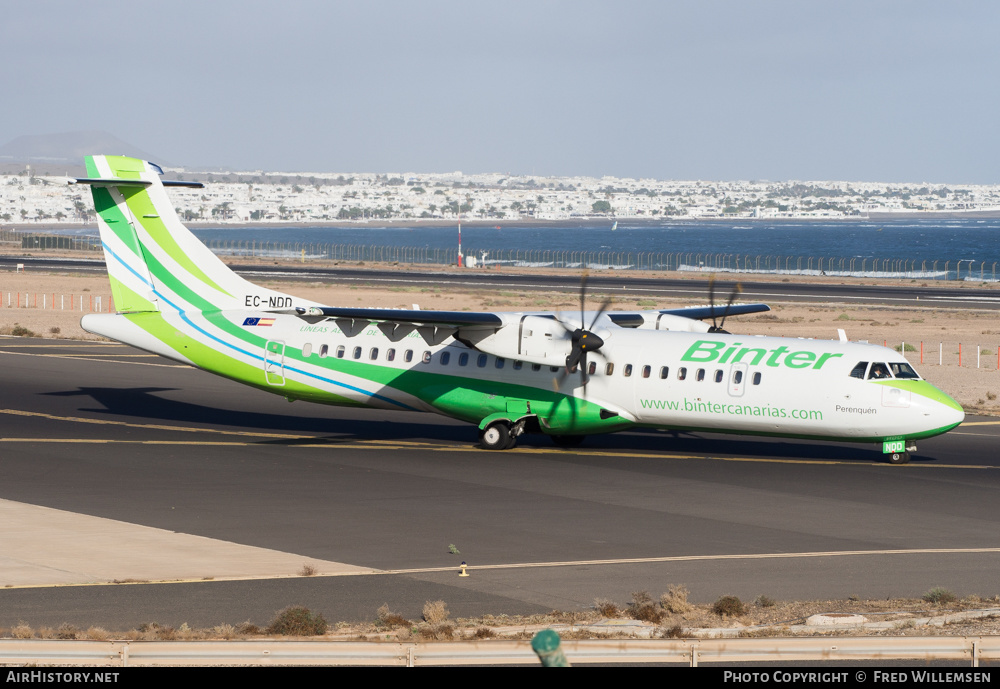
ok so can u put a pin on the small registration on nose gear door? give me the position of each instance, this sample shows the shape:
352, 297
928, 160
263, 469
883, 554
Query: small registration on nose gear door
274, 362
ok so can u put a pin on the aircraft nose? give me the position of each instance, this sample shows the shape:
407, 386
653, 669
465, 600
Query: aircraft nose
956, 413
949, 412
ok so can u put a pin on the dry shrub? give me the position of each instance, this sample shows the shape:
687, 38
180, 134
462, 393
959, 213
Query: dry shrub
940, 596
729, 606
484, 633
248, 628
98, 634
67, 632
675, 600
643, 608
763, 601
226, 631
606, 608
435, 612
387, 618
22, 631
674, 632
296, 620
21, 331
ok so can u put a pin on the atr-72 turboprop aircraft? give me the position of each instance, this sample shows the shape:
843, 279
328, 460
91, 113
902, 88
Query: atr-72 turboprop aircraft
508, 373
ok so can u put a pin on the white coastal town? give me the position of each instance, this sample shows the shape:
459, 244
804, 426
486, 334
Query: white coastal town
39, 195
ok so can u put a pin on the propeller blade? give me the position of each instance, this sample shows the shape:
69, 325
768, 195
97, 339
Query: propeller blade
604, 306
711, 299
738, 289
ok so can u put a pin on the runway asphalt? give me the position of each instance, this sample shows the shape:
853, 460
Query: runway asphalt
118, 465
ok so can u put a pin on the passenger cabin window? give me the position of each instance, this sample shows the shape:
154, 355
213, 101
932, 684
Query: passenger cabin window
682, 373
859, 370
664, 372
737, 377
536, 367
903, 370
324, 350
373, 354
307, 349
463, 358
756, 378
627, 371
481, 361
500, 362
408, 356
718, 375
517, 365
646, 370
701, 374
390, 355
341, 349
878, 371
357, 352
425, 358
609, 369
591, 368
445, 358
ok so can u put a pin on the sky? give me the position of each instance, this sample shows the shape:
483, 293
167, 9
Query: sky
712, 90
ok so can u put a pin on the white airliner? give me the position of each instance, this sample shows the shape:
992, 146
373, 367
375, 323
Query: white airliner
508, 373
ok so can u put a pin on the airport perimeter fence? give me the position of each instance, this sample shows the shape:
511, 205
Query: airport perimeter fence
770, 264
52, 301
985, 271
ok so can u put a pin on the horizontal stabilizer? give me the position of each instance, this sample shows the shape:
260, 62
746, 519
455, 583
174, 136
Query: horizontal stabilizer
121, 182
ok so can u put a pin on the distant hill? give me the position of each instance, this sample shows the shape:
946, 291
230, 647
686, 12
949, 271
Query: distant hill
67, 149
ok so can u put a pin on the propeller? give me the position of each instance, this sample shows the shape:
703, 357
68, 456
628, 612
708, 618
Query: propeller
583, 340
719, 327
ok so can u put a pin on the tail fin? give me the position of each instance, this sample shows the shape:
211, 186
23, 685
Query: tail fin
154, 262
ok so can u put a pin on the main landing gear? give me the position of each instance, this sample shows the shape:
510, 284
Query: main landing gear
496, 436
500, 436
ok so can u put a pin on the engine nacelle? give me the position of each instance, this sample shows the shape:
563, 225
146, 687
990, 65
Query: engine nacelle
654, 320
535, 339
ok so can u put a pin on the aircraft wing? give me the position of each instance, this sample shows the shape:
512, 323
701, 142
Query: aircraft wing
703, 312
453, 319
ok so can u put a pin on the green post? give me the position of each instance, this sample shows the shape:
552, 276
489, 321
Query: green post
547, 645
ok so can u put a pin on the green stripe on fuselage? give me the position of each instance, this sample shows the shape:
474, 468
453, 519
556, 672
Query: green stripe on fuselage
922, 388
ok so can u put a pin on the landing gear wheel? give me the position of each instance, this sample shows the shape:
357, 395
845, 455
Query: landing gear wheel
899, 458
495, 437
567, 440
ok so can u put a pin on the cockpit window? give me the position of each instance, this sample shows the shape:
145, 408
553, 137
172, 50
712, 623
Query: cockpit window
903, 370
859, 370
878, 371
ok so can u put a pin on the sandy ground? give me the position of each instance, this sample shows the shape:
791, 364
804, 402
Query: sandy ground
938, 331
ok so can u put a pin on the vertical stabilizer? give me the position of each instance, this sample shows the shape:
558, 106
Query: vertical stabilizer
154, 262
